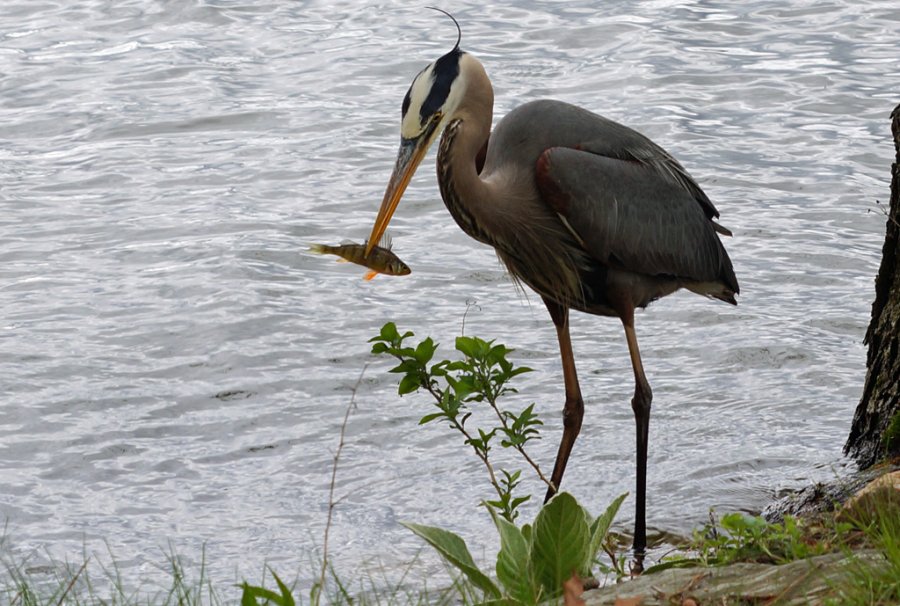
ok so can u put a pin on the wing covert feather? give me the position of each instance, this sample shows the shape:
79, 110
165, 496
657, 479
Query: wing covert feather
628, 215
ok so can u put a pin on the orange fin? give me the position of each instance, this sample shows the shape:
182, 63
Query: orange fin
341, 260
369, 275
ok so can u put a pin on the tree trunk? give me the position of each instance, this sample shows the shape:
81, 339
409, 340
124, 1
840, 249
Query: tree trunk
875, 433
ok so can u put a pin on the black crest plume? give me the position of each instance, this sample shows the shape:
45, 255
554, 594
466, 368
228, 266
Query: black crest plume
455, 22
445, 72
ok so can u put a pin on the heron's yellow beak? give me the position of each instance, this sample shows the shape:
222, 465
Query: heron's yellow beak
408, 158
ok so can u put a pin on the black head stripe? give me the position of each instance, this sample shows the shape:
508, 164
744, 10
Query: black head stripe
407, 98
405, 107
446, 69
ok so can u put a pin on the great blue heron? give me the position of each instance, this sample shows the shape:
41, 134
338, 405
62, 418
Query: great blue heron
589, 213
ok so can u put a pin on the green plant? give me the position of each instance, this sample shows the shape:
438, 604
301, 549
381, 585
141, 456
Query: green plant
535, 560
370, 588
738, 537
481, 376
250, 594
96, 583
874, 581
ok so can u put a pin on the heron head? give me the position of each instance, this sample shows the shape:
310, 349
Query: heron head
432, 99
433, 95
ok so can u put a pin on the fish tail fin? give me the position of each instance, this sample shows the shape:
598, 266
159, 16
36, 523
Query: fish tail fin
370, 274
324, 249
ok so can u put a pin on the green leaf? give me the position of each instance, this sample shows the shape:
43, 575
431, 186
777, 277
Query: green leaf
251, 594
286, 598
497, 354
379, 348
526, 532
389, 332
453, 548
561, 543
512, 440
514, 504
734, 522
431, 417
407, 366
409, 384
464, 386
406, 352
506, 366
600, 526
513, 564
468, 346
459, 365
439, 369
425, 351
450, 404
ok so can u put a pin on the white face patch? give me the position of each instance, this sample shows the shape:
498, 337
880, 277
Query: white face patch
411, 126
438, 88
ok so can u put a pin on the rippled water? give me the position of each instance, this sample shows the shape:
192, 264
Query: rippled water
175, 366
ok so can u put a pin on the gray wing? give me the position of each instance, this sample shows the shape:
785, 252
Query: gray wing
530, 129
640, 214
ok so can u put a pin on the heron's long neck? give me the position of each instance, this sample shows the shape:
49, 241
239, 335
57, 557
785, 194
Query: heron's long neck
468, 197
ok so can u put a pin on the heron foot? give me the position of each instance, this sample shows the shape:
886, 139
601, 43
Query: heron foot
636, 566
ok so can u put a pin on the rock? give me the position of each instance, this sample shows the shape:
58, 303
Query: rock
822, 498
801, 582
883, 492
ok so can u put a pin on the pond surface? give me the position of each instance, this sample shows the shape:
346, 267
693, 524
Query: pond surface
175, 365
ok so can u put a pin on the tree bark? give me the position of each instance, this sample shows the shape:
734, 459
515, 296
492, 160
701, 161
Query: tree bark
875, 433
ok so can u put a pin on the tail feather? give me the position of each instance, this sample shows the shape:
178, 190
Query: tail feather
722, 229
716, 290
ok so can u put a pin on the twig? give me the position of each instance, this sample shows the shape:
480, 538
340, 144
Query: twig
470, 303
611, 554
427, 384
520, 448
712, 524
334, 467
71, 584
885, 212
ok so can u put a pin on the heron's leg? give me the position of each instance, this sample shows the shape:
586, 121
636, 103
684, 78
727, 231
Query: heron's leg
640, 404
574, 407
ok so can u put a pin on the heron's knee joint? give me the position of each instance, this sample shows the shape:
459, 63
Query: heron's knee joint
643, 396
573, 414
